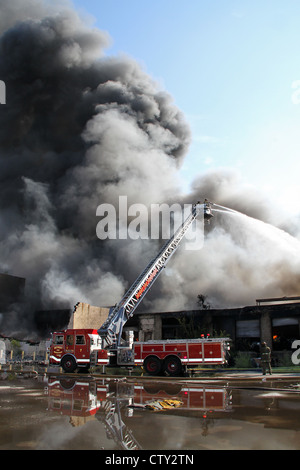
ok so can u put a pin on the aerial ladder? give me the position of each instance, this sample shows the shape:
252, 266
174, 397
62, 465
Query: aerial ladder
111, 330
105, 346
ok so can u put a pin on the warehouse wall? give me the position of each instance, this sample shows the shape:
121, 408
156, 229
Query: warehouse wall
88, 316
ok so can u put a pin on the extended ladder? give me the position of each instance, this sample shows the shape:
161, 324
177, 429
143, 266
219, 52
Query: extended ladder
111, 330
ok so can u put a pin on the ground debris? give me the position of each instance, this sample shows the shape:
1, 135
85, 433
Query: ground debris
159, 405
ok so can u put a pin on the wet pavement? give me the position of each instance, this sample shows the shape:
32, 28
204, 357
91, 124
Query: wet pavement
66, 412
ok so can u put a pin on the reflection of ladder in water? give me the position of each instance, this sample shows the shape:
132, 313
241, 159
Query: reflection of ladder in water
117, 429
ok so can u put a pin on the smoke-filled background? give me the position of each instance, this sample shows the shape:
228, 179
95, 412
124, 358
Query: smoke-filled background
81, 128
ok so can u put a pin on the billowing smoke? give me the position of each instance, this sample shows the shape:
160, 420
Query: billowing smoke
244, 257
81, 128
78, 130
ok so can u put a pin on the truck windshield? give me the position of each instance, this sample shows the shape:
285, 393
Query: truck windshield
59, 339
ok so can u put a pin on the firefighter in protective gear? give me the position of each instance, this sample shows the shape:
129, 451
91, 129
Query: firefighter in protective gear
265, 353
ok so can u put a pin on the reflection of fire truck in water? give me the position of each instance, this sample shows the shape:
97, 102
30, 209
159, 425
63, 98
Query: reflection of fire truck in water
85, 348
76, 398
114, 403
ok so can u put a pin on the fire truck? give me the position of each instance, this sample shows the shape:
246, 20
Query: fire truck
170, 357
72, 349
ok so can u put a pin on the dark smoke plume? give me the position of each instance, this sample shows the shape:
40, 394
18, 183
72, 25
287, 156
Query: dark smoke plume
81, 128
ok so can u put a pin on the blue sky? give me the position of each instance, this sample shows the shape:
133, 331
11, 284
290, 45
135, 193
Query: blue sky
232, 67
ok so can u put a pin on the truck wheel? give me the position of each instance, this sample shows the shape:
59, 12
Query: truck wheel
152, 365
67, 384
68, 363
172, 366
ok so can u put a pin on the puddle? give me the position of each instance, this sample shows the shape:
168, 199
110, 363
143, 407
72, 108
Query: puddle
61, 412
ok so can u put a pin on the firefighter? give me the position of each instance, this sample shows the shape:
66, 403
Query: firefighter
265, 354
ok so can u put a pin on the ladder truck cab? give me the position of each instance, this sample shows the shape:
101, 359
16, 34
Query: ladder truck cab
170, 356
80, 348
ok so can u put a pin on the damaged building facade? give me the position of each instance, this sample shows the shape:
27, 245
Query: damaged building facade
11, 290
275, 321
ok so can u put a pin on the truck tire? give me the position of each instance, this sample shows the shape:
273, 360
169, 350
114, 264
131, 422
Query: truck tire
68, 363
172, 366
152, 365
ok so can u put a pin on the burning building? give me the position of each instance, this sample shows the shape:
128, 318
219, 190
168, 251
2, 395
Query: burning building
276, 321
11, 290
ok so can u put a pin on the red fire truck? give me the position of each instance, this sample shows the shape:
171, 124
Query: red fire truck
172, 357
106, 346
72, 349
